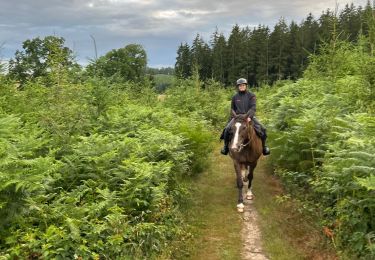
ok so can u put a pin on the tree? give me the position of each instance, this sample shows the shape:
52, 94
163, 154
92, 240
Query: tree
279, 51
308, 38
260, 44
327, 26
124, 64
236, 50
183, 64
349, 23
368, 26
47, 58
294, 60
218, 49
201, 57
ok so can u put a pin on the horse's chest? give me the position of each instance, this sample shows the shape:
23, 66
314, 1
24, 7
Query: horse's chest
244, 158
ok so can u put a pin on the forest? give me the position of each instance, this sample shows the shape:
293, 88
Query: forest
94, 161
264, 56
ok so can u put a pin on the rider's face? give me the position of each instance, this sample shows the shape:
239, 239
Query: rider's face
242, 87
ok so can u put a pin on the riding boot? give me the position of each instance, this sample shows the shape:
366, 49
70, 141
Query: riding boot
222, 135
225, 149
266, 150
226, 138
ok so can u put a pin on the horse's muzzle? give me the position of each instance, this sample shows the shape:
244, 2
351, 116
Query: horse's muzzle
235, 149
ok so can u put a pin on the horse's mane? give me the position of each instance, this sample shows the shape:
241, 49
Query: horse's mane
240, 117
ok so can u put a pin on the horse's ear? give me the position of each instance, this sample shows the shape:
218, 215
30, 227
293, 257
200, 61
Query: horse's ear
233, 113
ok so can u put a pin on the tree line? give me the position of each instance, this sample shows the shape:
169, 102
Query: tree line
47, 60
264, 56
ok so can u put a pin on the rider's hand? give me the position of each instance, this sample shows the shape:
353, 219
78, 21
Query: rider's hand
248, 119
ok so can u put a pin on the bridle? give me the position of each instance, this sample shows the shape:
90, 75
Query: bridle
250, 139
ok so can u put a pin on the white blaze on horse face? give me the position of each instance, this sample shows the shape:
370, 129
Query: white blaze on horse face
235, 140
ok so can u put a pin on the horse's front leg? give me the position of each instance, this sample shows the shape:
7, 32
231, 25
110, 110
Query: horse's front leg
250, 176
237, 167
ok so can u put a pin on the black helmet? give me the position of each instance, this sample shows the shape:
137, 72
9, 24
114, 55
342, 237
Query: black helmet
241, 81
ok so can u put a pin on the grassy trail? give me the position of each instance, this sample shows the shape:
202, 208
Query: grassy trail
220, 232
216, 225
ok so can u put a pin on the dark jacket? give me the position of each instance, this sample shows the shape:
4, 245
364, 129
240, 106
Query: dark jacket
244, 102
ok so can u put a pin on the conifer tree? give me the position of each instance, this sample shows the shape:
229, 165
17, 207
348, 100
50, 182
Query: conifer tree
201, 57
260, 54
294, 60
183, 67
308, 38
349, 23
218, 47
326, 25
236, 50
278, 51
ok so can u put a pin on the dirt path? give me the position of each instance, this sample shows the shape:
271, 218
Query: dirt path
251, 236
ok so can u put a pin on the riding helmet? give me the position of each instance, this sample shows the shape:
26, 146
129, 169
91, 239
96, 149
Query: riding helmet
241, 81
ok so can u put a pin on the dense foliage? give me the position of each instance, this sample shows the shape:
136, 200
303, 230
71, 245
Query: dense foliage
264, 56
322, 130
123, 64
93, 170
91, 162
42, 58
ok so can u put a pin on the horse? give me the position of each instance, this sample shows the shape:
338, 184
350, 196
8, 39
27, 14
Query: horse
245, 148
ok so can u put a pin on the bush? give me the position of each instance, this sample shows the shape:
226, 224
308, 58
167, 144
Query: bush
321, 134
93, 170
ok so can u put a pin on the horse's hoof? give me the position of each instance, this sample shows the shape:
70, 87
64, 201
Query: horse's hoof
240, 207
249, 195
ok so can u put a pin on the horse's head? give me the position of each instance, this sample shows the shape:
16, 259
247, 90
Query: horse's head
240, 129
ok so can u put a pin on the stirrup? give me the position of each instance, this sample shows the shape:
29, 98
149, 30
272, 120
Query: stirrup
266, 150
224, 151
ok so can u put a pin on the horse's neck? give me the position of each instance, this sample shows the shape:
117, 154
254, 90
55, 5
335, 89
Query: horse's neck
252, 135
251, 132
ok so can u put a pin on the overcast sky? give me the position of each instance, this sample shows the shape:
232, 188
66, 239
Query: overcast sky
160, 26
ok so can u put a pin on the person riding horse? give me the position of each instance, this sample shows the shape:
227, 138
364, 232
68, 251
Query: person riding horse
244, 102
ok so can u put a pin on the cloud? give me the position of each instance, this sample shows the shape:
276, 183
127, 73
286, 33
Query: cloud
158, 25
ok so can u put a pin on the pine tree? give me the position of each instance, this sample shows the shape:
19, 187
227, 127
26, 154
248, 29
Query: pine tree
236, 51
308, 38
294, 60
278, 51
260, 54
183, 66
326, 25
218, 47
349, 23
201, 57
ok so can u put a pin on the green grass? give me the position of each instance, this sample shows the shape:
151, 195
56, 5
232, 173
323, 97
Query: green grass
287, 232
212, 215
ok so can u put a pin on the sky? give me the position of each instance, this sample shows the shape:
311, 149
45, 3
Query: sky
160, 26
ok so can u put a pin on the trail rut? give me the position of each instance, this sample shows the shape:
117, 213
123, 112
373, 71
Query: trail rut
250, 234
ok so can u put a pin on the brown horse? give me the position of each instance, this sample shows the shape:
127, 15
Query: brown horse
245, 149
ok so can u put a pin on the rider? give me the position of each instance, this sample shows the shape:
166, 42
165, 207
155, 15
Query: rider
244, 102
